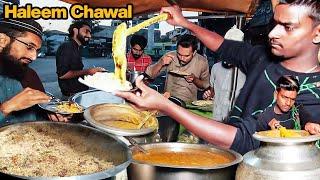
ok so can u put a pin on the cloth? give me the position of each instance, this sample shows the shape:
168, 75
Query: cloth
221, 81
32, 80
68, 58
262, 71
10, 87
21, 25
178, 86
140, 64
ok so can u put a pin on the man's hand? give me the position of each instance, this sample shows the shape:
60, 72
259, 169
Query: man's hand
273, 123
59, 117
176, 17
208, 94
190, 78
92, 71
166, 60
23, 100
312, 128
147, 99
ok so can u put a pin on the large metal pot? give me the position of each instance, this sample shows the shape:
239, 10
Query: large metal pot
118, 152
144, 171
281, 158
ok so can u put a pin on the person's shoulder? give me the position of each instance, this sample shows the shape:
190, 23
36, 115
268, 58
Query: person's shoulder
66, 44
201, 58
217, 65
171, 52
146, 56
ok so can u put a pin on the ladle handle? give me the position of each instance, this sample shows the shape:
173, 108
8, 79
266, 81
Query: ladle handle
135, 144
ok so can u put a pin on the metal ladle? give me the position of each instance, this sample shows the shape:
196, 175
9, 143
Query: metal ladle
135, 144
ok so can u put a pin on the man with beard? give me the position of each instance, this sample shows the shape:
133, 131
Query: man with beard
137, 59
294, 43
69, 62
20, 86
193, 67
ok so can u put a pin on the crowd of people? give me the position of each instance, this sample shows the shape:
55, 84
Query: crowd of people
280, 82
294, 46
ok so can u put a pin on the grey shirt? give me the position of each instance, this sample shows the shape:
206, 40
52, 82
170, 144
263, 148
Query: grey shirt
221, 81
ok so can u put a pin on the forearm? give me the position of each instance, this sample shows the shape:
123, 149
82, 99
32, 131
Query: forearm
210, 130
154, 70
74, 74
210, 39
201, 84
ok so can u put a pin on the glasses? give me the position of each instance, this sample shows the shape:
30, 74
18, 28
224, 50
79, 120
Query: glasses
29, 46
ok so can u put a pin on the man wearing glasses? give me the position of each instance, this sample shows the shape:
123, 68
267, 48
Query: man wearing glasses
137, 59
187, 71
20, 86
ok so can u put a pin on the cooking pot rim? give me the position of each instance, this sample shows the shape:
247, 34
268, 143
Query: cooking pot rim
282, 140
238, 157
113, 130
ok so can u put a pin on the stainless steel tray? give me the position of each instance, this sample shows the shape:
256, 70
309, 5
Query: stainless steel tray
94, 96
112, 130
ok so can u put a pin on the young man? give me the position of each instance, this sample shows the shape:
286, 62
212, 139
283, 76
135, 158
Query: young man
20, 41
284, 112
137, 59
295, 43
185, 59
69, 62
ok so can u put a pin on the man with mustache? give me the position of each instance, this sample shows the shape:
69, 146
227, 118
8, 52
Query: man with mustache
20, 86
294, 44
185, 59
69, 62
137, 59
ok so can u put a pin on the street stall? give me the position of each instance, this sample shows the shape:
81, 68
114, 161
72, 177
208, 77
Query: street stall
107, 144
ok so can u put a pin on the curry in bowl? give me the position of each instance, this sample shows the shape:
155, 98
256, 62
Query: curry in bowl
183, 157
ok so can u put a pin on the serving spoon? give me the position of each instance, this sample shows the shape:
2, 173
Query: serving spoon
135, 144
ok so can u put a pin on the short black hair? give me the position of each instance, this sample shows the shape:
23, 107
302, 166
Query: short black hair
138, 39
78, 24
188, 40
313, 5
289, 83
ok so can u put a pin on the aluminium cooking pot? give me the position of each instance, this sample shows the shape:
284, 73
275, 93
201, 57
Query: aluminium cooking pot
146, 171
293, 158
117, 152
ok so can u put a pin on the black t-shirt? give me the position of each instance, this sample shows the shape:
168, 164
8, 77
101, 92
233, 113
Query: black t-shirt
265, 117
68, 58
262, 71
297, 113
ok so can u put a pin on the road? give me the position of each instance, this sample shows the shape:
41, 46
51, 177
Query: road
46, 69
